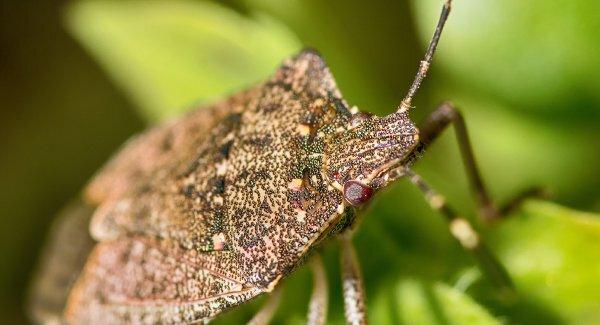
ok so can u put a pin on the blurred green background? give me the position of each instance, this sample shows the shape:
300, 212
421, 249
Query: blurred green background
78, 78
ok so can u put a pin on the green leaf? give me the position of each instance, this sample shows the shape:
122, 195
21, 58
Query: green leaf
533, 53
553, 254
416, 302
169, 54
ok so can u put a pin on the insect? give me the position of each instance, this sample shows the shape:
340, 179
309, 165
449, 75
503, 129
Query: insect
207, 211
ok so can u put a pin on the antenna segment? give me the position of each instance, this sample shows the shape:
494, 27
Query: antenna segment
426, 62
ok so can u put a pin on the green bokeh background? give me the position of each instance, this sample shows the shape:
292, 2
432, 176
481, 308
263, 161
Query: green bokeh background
78, 78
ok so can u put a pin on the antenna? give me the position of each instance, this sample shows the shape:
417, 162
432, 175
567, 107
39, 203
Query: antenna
426, 62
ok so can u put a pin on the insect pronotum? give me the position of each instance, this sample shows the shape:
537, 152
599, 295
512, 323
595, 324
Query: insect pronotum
207, 211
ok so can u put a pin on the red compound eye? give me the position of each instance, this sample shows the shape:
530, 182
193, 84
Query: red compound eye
357, 193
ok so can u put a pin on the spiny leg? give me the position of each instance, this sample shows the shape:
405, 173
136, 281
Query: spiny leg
265, 314
317, 307
466, 235
352, 284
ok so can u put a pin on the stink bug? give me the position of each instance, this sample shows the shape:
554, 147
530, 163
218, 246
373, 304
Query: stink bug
210, 210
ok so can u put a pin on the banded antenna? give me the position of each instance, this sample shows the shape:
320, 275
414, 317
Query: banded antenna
426, 62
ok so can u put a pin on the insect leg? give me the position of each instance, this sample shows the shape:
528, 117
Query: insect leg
437, 122
265, 314
352, 283
516, 201
317, 308
466, 235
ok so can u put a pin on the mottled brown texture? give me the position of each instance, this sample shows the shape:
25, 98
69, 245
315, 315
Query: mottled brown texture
62, 261
133, 273
207, 211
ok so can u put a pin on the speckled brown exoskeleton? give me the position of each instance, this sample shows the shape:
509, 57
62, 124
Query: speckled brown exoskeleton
212, 209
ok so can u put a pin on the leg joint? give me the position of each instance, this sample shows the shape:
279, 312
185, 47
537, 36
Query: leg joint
438, 120
447, 111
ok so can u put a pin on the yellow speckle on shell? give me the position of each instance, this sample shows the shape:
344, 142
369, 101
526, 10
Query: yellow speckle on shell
303, 129
295, 184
